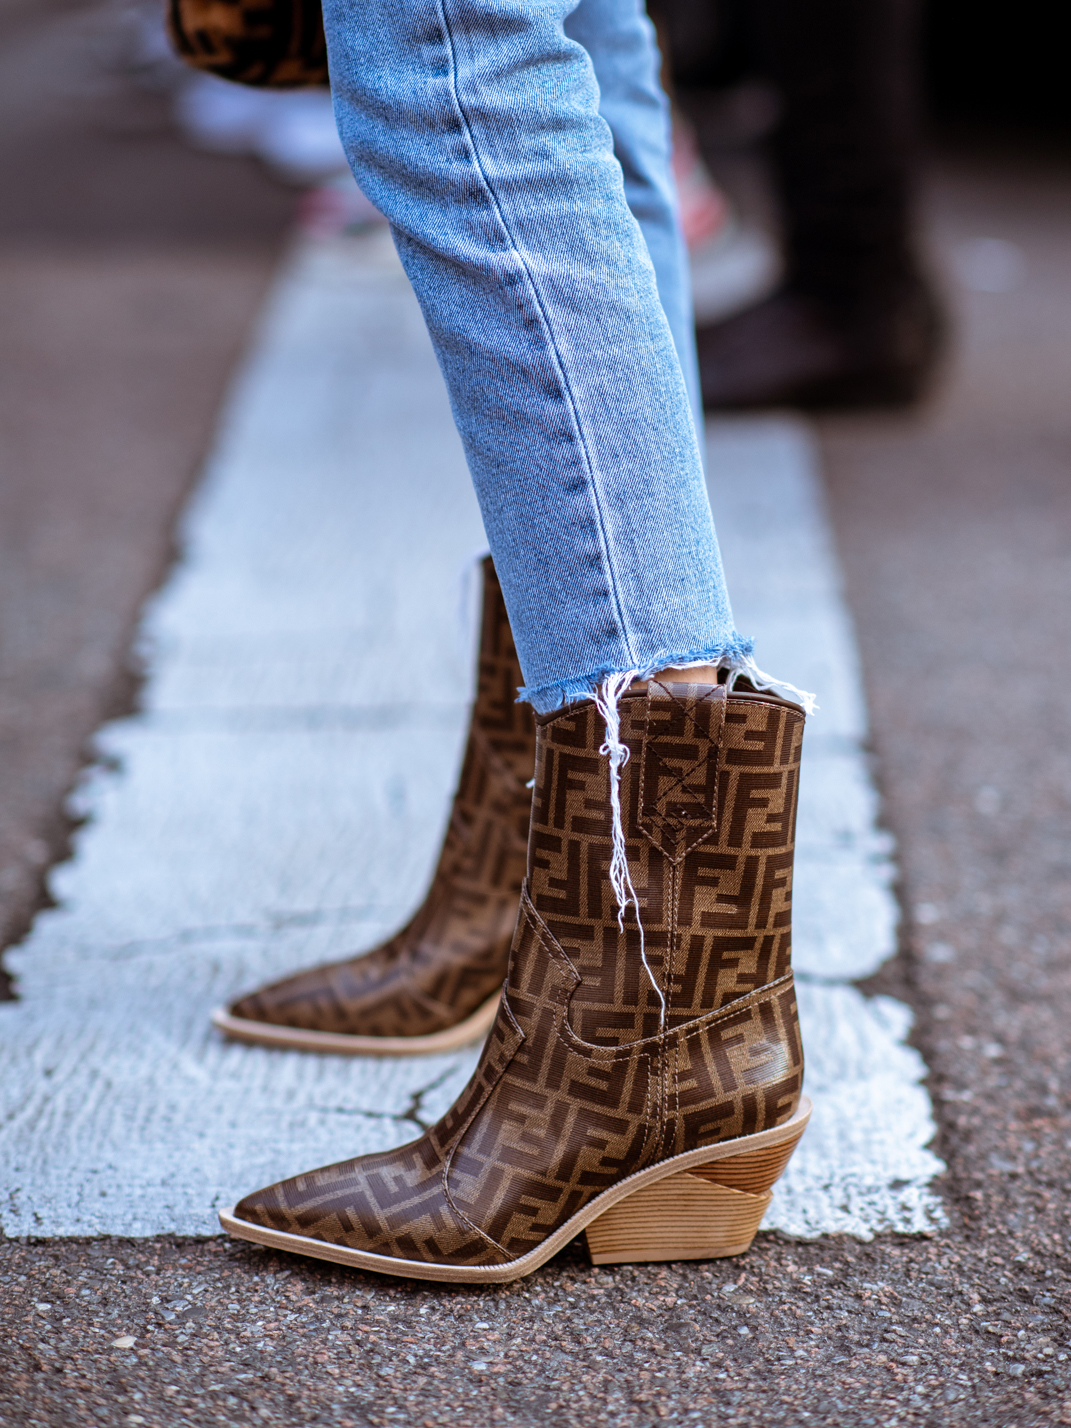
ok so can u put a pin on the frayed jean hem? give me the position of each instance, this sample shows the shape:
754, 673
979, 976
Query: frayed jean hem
735, 656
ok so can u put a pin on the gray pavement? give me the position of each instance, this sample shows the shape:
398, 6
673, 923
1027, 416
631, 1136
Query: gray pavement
953, 529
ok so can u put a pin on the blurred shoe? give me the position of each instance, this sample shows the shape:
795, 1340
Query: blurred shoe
736, 270
221, 117
731, 265
796, 350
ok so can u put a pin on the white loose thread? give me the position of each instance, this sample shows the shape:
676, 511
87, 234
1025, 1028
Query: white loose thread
747, 668
607, 699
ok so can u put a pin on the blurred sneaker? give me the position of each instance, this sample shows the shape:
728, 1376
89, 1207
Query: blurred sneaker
738, 268
221, 117
731, 265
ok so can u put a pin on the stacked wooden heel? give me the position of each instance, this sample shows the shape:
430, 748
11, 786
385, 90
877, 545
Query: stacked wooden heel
708, 1212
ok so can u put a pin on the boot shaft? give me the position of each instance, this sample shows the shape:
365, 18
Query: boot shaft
708, 805
509, 727
461, 933
489, 828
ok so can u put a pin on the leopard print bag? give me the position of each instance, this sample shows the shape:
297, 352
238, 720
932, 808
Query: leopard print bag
276, 44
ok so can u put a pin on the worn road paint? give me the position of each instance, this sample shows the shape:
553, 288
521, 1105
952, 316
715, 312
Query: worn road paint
863, 1165
280, 799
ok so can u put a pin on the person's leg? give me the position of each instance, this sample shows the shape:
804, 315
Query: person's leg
435, 983
474, 126
856, 321
624, 55
845, 150
647, 1037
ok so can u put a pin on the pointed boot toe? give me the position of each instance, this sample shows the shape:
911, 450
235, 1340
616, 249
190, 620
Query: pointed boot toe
298, 1000
641, 1084
292, 1207
390, 1211
435, 985
374, 1005
266, 1208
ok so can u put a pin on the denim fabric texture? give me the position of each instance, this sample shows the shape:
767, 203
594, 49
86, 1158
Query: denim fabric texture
520, 151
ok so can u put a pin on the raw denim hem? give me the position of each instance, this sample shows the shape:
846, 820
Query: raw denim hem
735, 655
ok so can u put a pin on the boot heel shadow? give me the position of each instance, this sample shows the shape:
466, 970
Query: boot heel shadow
708, 1212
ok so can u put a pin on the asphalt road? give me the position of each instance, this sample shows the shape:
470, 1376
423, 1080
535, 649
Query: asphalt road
131, 272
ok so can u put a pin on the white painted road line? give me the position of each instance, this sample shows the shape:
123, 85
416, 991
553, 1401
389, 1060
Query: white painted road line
280, 800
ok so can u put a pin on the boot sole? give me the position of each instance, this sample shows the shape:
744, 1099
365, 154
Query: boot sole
672, 1211
337, 1043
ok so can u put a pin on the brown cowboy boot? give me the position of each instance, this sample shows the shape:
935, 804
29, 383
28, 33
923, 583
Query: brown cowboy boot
436, 984
646, 1091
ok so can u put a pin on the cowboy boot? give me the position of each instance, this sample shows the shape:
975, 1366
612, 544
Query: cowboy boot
642, 1085
436, 984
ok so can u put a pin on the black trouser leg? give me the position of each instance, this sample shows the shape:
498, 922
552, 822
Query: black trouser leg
854, 322
844, 154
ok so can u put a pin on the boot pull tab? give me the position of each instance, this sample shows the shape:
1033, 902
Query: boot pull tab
679, 765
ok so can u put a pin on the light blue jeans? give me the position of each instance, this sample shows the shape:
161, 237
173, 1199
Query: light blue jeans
520, 150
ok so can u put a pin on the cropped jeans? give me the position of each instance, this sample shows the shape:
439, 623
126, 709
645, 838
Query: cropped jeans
520, 151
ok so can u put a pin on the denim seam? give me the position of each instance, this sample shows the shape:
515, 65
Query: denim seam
600, 520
